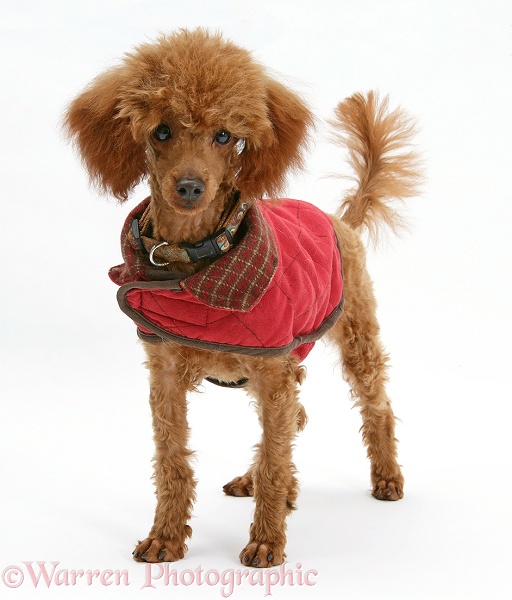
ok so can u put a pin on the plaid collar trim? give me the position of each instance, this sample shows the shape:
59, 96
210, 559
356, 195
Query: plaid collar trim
239, 279
235, 281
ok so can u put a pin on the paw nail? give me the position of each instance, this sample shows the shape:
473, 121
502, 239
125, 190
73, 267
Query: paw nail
246, 560
388, 493
161, 554
137, 554
270, 557
256, 562
145, 555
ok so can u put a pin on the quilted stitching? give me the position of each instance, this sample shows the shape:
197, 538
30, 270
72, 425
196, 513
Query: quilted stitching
305, 288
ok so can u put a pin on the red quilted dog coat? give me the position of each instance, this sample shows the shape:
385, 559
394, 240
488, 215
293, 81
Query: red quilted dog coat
277, 291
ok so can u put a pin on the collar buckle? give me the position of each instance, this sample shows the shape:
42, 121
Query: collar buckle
211, 247
136, 235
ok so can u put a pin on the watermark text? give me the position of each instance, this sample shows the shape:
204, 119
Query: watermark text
45, 574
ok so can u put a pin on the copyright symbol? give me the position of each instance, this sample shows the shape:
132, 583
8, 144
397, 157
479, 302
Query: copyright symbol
12, 577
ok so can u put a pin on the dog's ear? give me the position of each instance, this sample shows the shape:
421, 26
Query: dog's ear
264, 163
114, 160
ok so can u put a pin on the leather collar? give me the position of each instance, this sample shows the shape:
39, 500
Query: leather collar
213, 246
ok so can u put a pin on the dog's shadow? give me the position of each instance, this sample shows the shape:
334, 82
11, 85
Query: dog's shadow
328, 520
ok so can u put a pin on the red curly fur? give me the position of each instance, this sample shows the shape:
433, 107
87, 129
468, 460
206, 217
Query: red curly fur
198, 85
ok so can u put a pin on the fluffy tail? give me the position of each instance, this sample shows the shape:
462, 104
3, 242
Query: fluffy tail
386, 168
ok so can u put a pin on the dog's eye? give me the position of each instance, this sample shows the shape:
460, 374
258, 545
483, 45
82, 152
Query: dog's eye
162, 133
222, 137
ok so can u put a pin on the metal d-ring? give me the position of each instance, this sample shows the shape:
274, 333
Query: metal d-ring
152, 251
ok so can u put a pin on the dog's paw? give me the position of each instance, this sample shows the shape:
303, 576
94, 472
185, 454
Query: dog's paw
388, 490
153, 550
239, 486
262, 555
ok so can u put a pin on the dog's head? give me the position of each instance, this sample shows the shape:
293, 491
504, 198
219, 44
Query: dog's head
194, 112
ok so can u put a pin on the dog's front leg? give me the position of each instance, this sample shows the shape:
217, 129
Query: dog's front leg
275, 487
170, 380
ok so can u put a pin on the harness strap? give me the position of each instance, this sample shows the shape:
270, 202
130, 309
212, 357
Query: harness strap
212, 246
241, 383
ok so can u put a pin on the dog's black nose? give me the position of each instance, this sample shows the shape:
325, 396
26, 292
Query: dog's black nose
190, 189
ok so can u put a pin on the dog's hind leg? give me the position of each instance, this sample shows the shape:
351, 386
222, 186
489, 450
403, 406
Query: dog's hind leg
240, 486
274, 384
170, 379
364, 366
243, 486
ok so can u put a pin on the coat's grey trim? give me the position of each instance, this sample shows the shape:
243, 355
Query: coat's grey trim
160, 335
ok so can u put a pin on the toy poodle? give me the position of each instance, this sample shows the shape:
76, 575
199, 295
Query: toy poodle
225, 280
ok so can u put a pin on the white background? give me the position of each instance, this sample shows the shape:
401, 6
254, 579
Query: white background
75, 431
